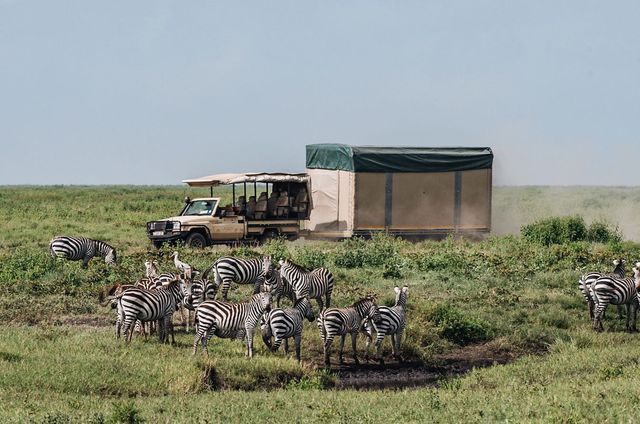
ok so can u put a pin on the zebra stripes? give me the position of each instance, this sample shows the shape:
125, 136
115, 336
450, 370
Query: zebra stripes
392, 322
151, 305
313, 284
230, 320
229, 270
283, 324
278, 287
342, 321
616, 291
81, 248
586, 281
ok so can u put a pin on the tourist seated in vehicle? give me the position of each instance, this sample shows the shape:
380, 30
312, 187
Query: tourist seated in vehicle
271, 203
251, 207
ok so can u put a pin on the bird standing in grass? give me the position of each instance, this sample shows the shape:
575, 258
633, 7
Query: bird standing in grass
183, 267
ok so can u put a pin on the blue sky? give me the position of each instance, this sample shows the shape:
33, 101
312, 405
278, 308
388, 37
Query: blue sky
152, 92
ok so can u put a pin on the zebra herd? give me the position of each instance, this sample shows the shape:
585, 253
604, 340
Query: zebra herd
153, 300
601, 290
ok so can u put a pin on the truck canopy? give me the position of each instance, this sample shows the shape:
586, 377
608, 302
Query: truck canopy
397, 159
251, 177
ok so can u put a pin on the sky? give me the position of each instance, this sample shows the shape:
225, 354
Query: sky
154, 92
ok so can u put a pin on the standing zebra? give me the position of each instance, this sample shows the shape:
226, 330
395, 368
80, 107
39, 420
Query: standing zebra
240, 271
616, 291
230, 320
586, 281
81, 248
282, 324
392, 323
152, 305
342, 321
312, 284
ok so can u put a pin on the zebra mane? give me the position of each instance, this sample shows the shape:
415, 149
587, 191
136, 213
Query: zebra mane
296, 266
363, 301
104, 248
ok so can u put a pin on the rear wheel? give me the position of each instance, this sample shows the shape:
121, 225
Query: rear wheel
268, 235
196, 241
157, 244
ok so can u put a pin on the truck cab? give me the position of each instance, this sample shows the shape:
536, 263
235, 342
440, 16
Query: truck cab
204, 221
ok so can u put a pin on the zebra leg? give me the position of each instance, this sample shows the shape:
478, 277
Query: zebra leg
599, 314
591, 306
85, 262
249, 343
368, 334
354, 336
631, 316
128, 321
327, 349
320, 304
286, 346
379, 340
276, 343
341, 350
396, 343
297, 339
328, 300
226, 284
620, 309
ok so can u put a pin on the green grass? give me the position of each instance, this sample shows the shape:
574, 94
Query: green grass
60, 362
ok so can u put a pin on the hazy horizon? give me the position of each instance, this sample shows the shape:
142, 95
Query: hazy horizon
151, 93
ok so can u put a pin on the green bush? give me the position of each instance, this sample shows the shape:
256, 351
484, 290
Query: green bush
600, 232
457, 328
556, 230
277, 248
310, 257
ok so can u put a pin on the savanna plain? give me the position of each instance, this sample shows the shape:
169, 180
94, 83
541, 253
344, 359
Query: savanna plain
512, 296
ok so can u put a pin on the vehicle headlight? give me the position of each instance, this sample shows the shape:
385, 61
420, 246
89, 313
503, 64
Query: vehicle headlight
176, 226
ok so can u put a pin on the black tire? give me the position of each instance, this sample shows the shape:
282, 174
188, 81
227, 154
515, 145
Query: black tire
157, 244
196, 241
268, 235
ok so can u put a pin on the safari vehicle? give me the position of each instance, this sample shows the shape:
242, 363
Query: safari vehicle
276, 210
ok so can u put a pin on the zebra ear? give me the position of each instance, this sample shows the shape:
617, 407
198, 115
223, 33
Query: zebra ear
405, 289
616, 262
638, 265
396, 289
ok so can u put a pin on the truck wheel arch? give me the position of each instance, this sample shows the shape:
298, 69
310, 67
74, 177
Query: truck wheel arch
197, 238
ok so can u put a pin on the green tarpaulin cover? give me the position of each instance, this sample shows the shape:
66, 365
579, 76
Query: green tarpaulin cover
397, 159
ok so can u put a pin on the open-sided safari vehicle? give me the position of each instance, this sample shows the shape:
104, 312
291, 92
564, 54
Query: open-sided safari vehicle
264, 205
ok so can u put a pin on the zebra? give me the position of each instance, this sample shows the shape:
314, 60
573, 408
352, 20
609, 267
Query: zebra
342, 321
152, 305
616, 291
201, 290
230, 320
282, 324
312, 284
151, 269
392, 322
229, 270
278, 287
586, 281
81, 248
110, 295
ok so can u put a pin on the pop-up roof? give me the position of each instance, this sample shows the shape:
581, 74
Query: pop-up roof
397, 159
257, 177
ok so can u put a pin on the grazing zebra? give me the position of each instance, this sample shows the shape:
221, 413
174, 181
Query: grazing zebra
282, 324
110, 295
152, 305
616, 291
342, 321
585, 282
81, 248
278, 287
230, 320
312, 284
229, 270
392, 323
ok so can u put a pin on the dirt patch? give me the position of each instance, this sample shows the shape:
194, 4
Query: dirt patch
418, 374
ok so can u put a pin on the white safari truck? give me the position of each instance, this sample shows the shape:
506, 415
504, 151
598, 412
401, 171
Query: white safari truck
412, 192
264, 205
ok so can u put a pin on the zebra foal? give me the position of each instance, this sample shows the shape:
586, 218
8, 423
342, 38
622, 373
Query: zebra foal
230, 320
282, 324
342, 321
392, 323
81, 248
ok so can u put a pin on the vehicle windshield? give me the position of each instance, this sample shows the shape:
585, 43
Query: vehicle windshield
200, 207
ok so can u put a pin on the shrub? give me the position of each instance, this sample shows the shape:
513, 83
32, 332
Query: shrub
277, 248
310, 257
600, 232
457, 328
555, 230
126, 413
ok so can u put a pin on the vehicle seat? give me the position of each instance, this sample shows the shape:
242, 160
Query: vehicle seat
301, 203
271, 203
282, 205
251, 206
261, 206
242, 205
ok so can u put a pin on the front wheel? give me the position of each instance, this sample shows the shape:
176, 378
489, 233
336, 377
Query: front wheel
157, 244
196, 241
268, 235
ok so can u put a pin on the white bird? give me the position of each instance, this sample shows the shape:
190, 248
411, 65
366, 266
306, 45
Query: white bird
183, 267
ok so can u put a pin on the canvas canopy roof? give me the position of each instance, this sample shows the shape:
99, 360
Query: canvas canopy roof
258, 177
397, 159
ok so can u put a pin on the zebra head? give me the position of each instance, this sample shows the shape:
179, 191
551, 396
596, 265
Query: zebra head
619, 267
367, 309
151, 268
263, 300
304, 306
110, 258
401, 295
267, 266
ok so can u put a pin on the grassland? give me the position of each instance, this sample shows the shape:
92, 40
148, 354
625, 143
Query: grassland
59, 361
